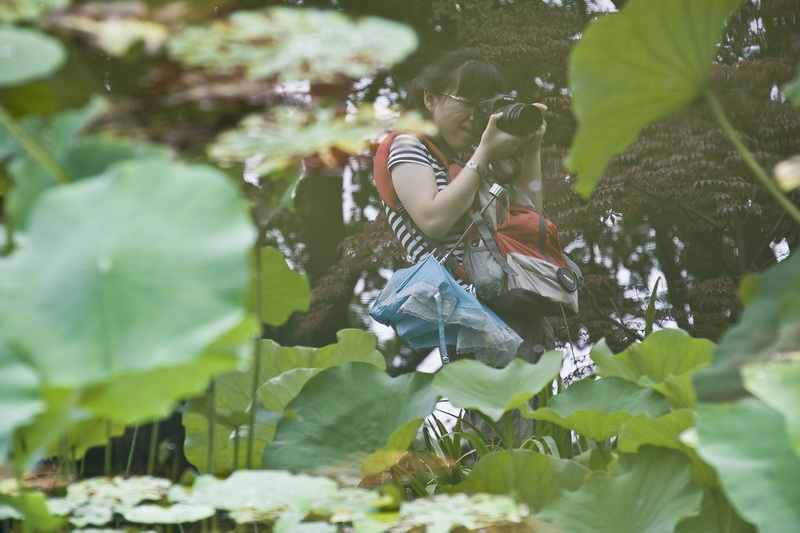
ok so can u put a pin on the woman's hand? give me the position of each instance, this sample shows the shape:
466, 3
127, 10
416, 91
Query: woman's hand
497, 144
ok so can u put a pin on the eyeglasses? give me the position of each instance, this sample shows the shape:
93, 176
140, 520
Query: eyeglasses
468, 104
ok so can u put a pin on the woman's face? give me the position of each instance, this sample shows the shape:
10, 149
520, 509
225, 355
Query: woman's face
452, 115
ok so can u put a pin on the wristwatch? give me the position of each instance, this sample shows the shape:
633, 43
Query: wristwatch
477, 168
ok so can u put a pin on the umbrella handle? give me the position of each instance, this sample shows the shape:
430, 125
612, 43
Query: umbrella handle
440, 316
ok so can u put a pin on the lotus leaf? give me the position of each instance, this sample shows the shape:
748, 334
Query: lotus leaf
748, 445
79, 159
34, 507
664, 361
630, 500
634, 67
137, 269
231, 399
777, 384
283, 291
20, 400
346, 413
295, 44
533, 478
716, 514
168, 385
768, 326
27, 55
471, 384
599, 409
23, 10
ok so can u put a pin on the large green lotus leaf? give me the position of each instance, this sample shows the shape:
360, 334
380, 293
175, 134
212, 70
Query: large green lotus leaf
770, 325
166, 385
665, 431
634, 67
346, 413
295, 44
662, 431
80, 159
650, 493
56, 133
599, 409
283, 291
777, 384
27, 55
716, 514
279, 391
282, 372
20, 399
470, 384
353, 345
533, 478
665, 361
24, 10
748, 445
135, 270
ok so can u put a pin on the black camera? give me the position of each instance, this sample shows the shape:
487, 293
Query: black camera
517, 119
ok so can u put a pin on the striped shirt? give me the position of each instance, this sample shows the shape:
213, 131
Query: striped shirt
407, 148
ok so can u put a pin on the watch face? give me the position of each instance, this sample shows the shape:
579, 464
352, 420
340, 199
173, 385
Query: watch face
567, 279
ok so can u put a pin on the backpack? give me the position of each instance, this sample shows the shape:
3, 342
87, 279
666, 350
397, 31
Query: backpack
513, 244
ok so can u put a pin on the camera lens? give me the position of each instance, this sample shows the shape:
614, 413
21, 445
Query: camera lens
520, 119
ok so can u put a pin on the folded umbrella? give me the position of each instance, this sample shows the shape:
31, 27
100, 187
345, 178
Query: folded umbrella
428, 308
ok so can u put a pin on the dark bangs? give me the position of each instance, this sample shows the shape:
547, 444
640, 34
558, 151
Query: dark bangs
478, 79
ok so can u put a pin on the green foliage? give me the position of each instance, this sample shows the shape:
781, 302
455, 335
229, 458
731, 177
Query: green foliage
629, 500
128, 292
664, 361
472, 385
792, 91
27, 55
26, 10
295, 44
768, 327
775, 383
635, 67
599, 409
19, 396
749, 446
138, 269
217, 423
382, 415
281, 291
77, 156
533, 478
167, 385
278, 140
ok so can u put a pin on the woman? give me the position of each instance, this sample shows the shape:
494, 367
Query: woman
447, 92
